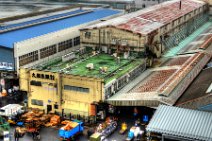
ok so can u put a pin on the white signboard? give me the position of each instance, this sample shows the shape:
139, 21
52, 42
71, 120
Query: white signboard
6, 135
6, 65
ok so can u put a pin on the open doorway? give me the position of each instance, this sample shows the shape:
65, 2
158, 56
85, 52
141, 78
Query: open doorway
49, 108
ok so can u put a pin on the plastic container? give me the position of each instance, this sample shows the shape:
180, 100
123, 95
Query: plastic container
130, 134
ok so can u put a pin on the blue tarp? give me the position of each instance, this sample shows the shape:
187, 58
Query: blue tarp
9, 38
206, 108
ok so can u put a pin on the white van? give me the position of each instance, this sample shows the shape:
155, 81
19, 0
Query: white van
11, 110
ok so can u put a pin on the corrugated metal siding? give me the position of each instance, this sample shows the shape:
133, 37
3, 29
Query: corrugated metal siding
6, 55
182, 122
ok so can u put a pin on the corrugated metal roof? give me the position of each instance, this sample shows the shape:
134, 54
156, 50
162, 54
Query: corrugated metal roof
7, 39
197, 89
181, 122
150, 19
164, 84
39, 20
6, 55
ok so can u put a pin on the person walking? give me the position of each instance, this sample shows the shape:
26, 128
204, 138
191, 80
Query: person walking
16, 134
37, 135
33, 135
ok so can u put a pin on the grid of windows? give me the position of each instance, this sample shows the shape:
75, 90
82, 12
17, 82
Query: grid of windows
74, 88
76, 41
35, 83
37, 102
28, 58
47, 51
64, 45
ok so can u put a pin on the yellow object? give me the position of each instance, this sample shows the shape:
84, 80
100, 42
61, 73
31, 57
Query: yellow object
11, 121
124, 126
70, 125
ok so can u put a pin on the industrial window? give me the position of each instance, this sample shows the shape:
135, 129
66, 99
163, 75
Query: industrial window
64, 45
74, 88
87, 34
165, 27
28, 58
173, 24
185, 18
40, 102
35, 83
76, 41
48, 51
37, 102
33, 101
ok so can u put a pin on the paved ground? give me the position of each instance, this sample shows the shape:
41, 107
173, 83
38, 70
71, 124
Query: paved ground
51, 134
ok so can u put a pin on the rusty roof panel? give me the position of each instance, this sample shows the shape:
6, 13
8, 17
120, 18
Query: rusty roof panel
149, 19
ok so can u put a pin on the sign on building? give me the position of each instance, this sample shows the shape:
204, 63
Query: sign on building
6, 66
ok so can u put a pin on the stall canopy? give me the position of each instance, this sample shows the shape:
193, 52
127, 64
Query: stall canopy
182, 123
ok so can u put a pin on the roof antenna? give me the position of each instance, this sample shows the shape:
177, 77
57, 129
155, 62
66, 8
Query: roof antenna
180, 5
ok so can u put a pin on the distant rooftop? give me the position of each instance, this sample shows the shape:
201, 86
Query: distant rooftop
9, 38
31, 22
149, 19
109, 62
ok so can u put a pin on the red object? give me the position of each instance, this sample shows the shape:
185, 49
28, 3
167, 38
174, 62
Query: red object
31, 130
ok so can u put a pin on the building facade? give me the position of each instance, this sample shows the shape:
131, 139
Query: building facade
58, 92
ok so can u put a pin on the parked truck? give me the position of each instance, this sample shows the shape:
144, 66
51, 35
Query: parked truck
104, 130
11, 110
71, 129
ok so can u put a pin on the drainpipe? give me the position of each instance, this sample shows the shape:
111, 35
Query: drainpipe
99, 39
